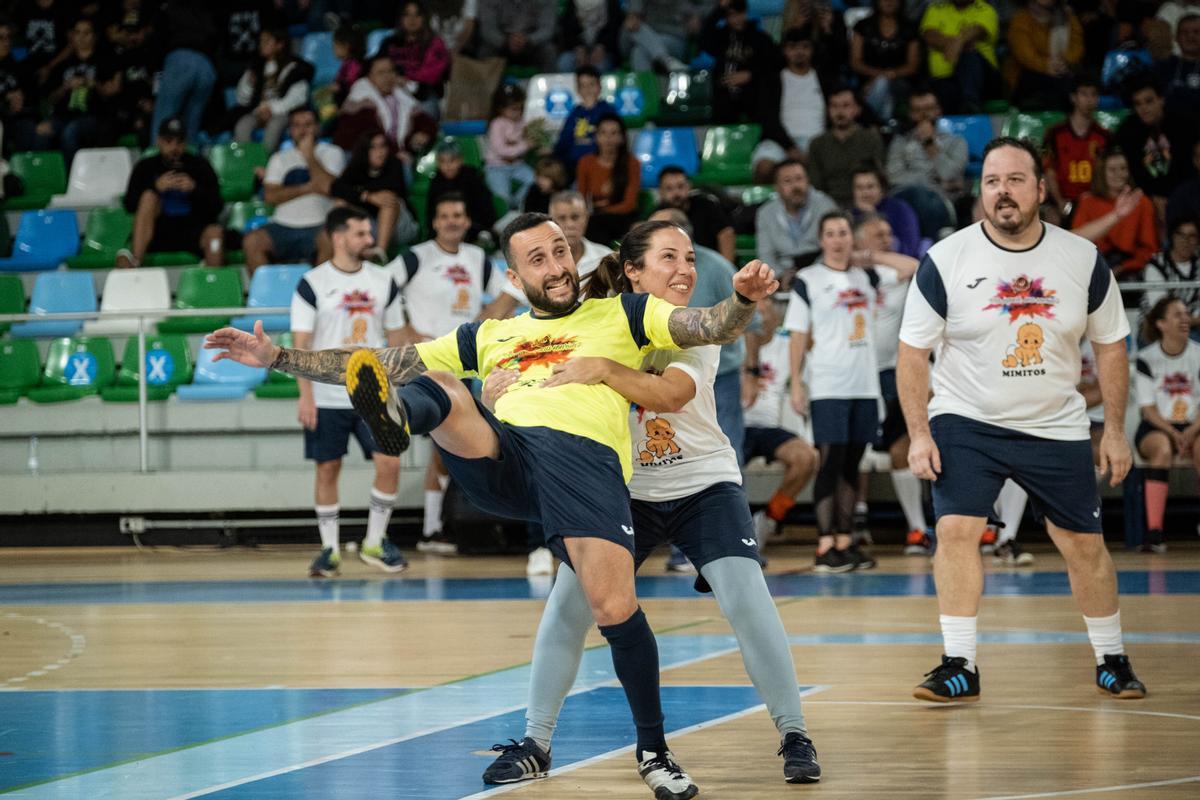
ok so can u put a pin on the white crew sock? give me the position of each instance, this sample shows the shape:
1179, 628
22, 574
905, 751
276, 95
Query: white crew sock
379, 513
958, 637
327, 526
908, 492
1105, 635
1010, 506
433, 512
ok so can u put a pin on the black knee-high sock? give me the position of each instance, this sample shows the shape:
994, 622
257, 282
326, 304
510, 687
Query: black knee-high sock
426, 404
635, 659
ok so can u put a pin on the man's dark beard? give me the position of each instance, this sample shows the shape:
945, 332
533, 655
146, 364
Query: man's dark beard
539, 301
1010, 227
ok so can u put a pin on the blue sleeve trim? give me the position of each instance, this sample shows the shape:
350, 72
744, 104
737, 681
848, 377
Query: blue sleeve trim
872, 277
393, 293
305, 290
411, 264
1144, 368
1098, 287
801, 290
488, 268
635, 312
929, 282
468, 355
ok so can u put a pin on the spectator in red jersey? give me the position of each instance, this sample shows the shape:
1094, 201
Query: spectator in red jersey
1117, 217
1071, 147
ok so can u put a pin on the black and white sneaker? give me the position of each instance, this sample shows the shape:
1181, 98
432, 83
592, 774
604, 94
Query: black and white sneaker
834, 560
666, 778
861, 558
799, 759
376, 401
439, 544
1115, 678
1011, 554
519, 761
1154, 542
950, 682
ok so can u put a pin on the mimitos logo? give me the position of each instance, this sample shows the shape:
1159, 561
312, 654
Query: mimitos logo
545, 352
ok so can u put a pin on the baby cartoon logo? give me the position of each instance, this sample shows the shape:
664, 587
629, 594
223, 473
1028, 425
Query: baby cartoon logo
659, 445
1023, 298
1178, 386
1028, 349
544, 352
458, 276
856, 302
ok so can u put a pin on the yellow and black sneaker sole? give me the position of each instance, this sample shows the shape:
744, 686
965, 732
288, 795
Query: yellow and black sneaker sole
375, 401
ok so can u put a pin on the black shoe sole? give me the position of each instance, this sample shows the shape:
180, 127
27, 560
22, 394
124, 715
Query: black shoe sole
921, 693
804, 779
370, 393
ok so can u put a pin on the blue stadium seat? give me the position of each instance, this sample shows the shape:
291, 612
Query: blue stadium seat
464, 127
58, 292
271, 287
44, 240
317, 49
977, 130
550, 96
660, 147
375, 38
219, 380
1120, 65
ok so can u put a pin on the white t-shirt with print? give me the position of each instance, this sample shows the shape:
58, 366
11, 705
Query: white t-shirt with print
773, 369
1005, 327
345, 309
288, 168
678, 453
592, 255
1169, 382
441, 290
888, 316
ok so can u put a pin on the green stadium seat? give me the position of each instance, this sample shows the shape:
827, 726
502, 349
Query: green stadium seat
77, 366
12, 297
754, 195
725, 157
234, 164
1030, 125
688, 99
244, 212
646, 203
1110, 120
204, 287
635, 96
178, 258
44, 174
168, 364
19, 368
107, 231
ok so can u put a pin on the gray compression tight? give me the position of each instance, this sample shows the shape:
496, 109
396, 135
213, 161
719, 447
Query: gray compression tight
742, 594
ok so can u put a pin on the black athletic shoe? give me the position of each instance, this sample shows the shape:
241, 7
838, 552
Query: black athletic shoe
376, 402
1154, 542
862, 559
950, 682
665, 777
519, 761
1115, 678
833, 560
799, 759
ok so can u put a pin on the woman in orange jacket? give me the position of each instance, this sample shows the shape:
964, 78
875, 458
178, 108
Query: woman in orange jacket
1117, 217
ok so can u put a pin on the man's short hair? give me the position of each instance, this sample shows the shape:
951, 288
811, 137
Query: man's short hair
829, 216
586, 70
338, 219
1138, 83
1083, 81
868, 168
378, 57
1021, 144
672, 169
787, 162
567, 196
304, 109
524, 222
448, 197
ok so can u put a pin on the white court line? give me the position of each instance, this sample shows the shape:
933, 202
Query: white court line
1011, 705
1097, 790
78, 645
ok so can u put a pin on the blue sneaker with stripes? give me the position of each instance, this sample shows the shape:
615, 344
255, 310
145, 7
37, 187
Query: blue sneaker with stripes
1115, 678
950, 682
518, 761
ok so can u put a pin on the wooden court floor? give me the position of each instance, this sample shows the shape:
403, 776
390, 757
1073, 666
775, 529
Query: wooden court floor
179, 673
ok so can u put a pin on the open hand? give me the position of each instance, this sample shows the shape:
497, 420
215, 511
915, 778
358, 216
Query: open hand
585, 369
496, 384
253, 350
924, 459
755, 281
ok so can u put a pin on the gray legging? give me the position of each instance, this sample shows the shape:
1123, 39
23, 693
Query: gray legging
244, 130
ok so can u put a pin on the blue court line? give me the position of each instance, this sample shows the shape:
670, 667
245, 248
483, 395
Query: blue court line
1006, 584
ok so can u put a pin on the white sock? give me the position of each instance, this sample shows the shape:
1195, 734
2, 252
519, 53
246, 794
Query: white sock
860, 507
1105, 635
443, 481
958, 637
379, 513
1011, 507
908, 492
433, 512
327, 526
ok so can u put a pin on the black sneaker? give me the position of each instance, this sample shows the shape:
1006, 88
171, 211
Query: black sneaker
799, 759
950, 682
833, 560
1154, 542
519, 761
665, 777
1011, 554
1115, 678
862, 559
376, 401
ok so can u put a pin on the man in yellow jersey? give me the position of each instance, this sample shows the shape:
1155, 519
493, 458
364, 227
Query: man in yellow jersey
556, 455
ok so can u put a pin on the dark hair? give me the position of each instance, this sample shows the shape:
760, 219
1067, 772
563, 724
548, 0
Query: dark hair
379, 57
286, 56
425, 34
507, 94
1100, 187
1174, 224
738, 6
609, 277
797, 34
338, 219
1084, 80
787, 162
1021, 144
1157, 312
1139, 82
304, 109
448, 197
352, 36
620, 170
587, 70
553, 169
671, 169
867, 168
360, 155
829, 216
523, 222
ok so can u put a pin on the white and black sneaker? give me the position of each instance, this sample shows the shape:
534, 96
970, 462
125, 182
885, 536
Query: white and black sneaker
799, 759
666, 778
519, 761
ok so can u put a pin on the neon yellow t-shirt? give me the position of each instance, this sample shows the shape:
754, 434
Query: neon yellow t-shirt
622, 328
947, 18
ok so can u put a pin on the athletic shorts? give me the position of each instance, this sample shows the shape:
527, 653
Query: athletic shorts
842, 421
892, 427
713, 523
765, 442
331, 440
570, 484
183, 236
1144, 429
977, 457
291, 244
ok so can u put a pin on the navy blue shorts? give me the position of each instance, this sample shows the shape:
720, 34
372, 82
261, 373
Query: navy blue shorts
977, 458
1144, 429
892, 427
713, 523
841, 421
331, 440
570, 484
765, 442
291, 244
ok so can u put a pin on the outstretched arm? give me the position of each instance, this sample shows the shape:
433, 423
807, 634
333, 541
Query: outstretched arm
724, 322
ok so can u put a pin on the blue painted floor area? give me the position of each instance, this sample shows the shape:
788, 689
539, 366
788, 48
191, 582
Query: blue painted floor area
1132, 582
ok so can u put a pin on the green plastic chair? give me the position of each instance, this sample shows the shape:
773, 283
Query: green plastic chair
1111, 120
241, 212
753, 195
279, 385
234, 164
107, 231
688, 99
1030, 125
44, 173
12, 297
725, 157
204, 287
635, 95
76, 366
175, 258
168, 364
19, 368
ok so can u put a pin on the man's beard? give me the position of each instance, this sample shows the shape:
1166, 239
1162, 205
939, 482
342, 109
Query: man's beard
1020, 223
538, 299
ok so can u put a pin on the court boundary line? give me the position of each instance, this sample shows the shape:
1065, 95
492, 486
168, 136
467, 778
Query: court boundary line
1119, 788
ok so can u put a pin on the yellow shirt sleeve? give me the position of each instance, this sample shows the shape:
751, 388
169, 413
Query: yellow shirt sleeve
655, 321
445, 353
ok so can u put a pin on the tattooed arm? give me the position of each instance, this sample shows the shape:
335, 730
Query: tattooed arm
724, 322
